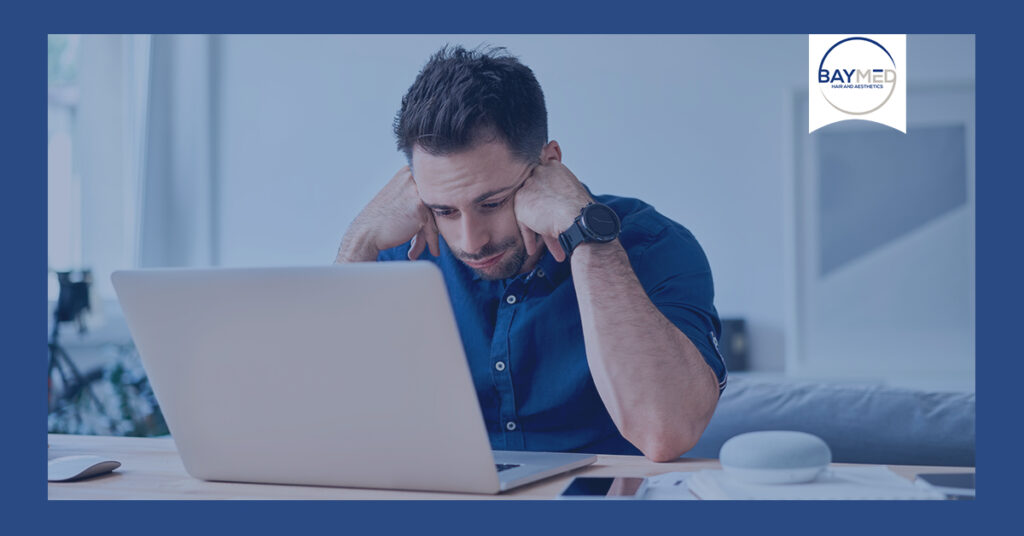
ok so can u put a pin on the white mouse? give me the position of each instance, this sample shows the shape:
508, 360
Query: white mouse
68, 468
775, 457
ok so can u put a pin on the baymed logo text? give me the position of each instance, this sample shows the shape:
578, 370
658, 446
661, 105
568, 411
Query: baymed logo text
857, 77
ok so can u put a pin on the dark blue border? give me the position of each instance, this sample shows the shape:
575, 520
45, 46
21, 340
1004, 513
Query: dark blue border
23, 223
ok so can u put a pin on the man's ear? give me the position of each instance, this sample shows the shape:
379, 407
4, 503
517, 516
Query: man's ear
551, 151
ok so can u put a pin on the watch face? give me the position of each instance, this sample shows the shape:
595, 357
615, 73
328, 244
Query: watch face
602, 221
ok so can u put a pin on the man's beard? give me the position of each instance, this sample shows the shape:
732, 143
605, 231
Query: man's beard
509, 265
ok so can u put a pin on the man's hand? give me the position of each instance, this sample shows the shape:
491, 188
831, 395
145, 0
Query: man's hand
395, 215
547, 204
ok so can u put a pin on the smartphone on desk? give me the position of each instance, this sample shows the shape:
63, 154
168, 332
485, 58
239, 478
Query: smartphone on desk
605, 487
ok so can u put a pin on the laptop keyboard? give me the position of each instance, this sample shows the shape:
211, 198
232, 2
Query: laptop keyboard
502, 466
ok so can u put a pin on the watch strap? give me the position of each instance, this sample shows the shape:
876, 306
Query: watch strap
572, 237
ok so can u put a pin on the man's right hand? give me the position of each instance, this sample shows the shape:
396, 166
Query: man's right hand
393, 217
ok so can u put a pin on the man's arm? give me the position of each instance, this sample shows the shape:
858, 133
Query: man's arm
654, 382
357, 245
393, 217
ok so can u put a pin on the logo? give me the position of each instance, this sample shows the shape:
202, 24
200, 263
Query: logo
857, 77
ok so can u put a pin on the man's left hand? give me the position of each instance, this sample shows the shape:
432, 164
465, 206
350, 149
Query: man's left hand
546, 205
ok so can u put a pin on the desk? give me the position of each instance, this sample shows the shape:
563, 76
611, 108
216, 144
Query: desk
151, 469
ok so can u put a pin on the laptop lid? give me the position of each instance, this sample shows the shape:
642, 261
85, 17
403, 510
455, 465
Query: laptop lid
350, 375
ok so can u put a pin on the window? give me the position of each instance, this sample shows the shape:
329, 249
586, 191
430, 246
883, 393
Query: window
64, 210
96, 118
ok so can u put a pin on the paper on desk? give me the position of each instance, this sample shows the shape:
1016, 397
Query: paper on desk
836, 483
668, 486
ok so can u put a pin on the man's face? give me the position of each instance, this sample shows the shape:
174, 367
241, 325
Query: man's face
471, 194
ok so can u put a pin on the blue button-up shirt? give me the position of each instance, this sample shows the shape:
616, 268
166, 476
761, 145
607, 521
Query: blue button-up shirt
524, 338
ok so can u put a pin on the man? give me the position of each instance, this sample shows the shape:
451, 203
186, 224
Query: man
588, 321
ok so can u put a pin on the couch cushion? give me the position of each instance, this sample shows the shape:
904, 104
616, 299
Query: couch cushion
860, 423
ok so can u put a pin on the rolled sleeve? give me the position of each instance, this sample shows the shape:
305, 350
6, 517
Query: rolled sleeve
675, 273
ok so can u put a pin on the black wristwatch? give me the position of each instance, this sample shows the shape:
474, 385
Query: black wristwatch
596, 223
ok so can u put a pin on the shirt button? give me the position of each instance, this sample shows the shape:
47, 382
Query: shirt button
510, 425
511, 299
500, 365
540, 272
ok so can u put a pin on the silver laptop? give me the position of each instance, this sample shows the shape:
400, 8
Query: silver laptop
350, 375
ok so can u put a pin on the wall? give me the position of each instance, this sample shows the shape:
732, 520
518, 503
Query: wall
305, 132
263, 148
696, 125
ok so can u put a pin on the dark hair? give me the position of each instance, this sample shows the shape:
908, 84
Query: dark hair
462, 95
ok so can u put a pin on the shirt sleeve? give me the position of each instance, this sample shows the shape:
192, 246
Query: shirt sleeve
398, 253
675, 273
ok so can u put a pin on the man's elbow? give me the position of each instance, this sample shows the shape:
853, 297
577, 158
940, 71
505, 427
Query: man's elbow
666, 446
663, 441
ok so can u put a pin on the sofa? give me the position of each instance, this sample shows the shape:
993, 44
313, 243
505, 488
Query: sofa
861, 423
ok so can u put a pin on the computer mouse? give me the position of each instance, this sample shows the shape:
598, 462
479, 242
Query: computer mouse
67, 468
774, 457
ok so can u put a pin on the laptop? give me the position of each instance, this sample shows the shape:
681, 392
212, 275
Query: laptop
350, 375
